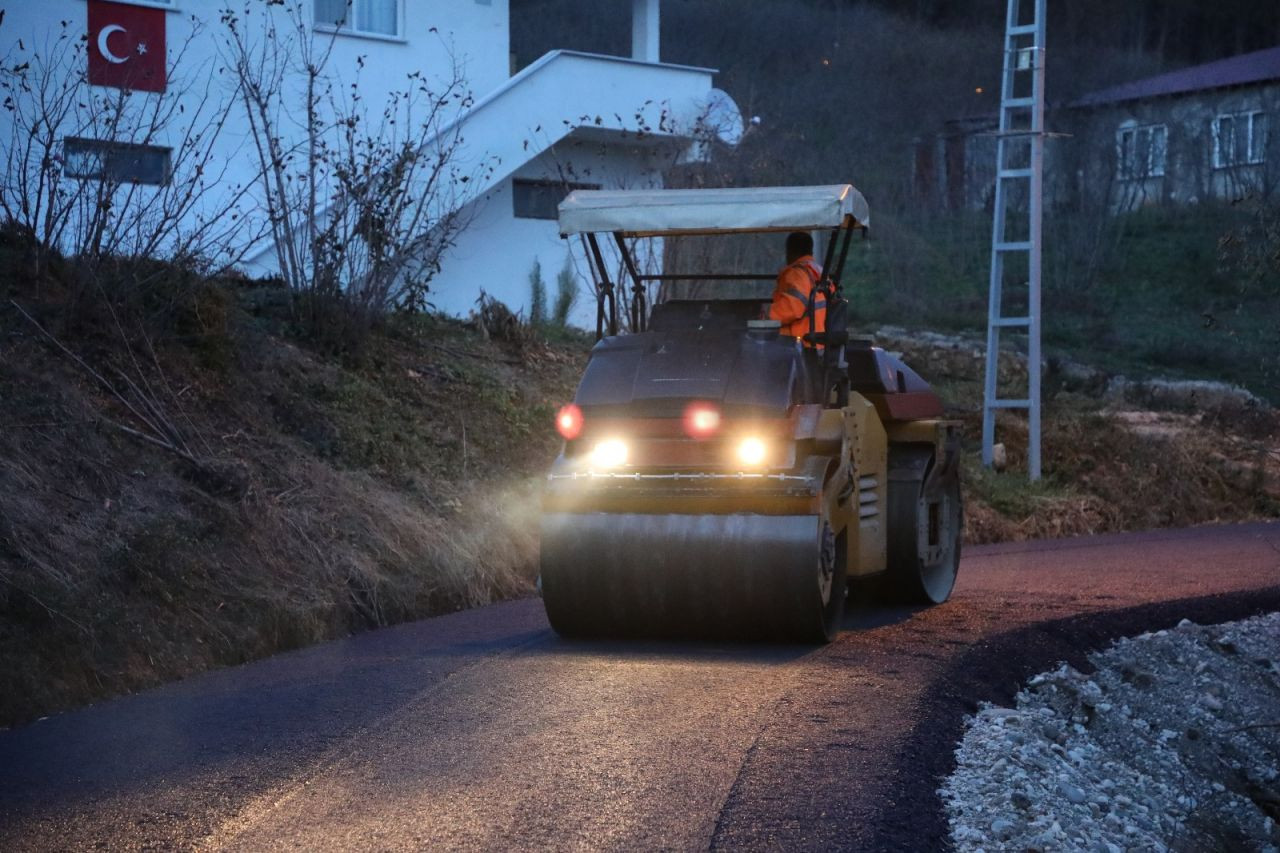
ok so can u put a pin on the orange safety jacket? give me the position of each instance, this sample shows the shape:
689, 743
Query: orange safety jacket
791, 298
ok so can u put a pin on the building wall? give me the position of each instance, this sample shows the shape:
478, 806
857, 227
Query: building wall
597, 101
497, 250
1082, 167
1190, 173
472, 33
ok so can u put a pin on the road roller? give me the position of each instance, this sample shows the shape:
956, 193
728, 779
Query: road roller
719, 478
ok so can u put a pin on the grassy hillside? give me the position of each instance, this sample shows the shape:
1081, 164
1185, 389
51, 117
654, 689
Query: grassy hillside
186, 482
1117, 454
305, 495
1158, 293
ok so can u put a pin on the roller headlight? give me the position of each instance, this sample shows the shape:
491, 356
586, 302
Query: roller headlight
752, 452
610, 453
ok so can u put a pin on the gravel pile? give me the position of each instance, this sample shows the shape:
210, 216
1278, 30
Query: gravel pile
1172, 743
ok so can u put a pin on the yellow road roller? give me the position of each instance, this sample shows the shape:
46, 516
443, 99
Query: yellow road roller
719, 478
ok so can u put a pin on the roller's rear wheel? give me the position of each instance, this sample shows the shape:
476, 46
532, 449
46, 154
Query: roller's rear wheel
925, 518
832, 574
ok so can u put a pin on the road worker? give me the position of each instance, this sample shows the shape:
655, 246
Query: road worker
795, 282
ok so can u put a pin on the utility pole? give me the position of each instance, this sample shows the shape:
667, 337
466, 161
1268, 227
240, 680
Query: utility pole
1016, 226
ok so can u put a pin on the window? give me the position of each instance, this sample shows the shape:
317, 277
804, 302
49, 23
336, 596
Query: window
367, 17
1141, 151
541, 199
1239, 139
119, 162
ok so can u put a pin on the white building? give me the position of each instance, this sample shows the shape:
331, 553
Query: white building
569, 119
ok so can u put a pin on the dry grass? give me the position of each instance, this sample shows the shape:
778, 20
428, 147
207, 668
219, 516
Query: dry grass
331, 495
1110, 464
328, 498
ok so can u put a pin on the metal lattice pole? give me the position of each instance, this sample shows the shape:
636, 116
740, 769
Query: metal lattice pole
1019, 158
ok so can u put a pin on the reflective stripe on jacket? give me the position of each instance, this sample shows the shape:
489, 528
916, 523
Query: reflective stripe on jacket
791, 298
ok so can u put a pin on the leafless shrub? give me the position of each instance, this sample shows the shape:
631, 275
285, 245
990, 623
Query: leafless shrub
499, 323
1252, 249
363, 203
78, 204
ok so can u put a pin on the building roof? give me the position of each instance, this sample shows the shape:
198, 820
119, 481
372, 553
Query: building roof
650, 212
1256, 67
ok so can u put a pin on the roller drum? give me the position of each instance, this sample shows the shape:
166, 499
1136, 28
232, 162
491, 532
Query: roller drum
738, 576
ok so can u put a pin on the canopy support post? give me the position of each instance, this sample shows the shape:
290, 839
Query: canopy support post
605, 294
830, 254
639, 314
847, 230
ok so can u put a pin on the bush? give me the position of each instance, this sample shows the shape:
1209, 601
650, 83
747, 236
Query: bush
189, 219
566, 293
537, 297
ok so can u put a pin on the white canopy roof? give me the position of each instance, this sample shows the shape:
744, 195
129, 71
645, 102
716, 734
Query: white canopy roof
642, 213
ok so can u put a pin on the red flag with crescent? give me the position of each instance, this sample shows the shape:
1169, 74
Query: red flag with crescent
126, 46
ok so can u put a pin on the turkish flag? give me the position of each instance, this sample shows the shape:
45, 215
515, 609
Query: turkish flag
126, 46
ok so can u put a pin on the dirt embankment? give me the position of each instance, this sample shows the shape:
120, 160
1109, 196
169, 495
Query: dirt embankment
185, 483
1117, 454
203, 489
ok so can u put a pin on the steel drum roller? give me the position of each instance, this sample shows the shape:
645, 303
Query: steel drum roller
744, 575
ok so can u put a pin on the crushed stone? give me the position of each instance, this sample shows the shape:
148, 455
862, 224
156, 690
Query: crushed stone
1172, 743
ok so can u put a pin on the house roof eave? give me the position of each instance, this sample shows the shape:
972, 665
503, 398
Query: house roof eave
1258, 67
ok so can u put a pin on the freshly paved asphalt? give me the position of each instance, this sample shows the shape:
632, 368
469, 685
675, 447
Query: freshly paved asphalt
484, 730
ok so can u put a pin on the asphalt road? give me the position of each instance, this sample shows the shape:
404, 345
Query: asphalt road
484, 730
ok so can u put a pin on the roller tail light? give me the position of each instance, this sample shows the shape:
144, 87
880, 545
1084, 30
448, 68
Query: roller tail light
569, 422
701, 420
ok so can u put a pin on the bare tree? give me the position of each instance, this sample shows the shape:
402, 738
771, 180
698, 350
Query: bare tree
65, 184
1250, 249
695, 158
362, 202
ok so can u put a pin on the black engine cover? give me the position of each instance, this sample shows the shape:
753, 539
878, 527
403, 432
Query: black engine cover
655, 374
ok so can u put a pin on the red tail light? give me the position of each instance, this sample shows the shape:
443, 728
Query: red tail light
701, 420
569, 422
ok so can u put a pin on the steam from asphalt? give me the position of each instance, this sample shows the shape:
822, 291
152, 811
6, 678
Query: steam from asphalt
1173, 742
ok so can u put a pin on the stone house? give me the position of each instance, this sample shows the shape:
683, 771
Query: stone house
1182, 137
